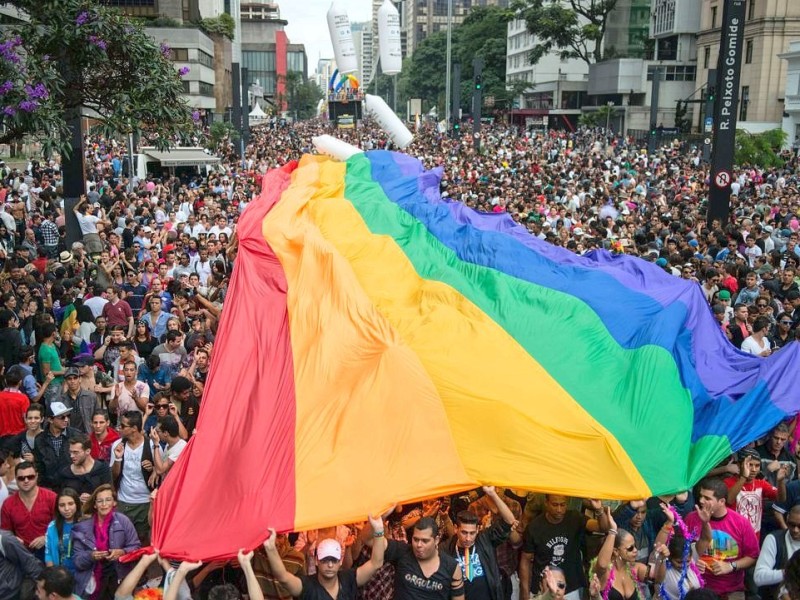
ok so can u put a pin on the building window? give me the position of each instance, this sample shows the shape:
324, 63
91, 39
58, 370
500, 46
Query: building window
186, 89
179, 54
748, 52
751, 10
743, 102
713, 17
206, 89
205, 59
706, 56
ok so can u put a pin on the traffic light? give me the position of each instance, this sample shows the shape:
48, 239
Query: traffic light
478, 82
456, 126
711, 93
653, 131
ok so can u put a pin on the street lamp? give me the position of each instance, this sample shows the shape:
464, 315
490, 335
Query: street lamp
610, 106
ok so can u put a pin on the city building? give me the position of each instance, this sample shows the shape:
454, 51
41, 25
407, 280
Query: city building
627, 29
323, 73
791, 115
267, 53
421, 18
365, 41
770, 27
557, 88
208, 56
625, 80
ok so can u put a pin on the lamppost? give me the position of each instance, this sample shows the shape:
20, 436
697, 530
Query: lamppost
610, 106
447, 109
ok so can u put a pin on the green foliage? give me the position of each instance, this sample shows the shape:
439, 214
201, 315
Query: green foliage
760, 148
573, 28
219, 132
588, 119
221, 25
90, 57
301, 96
162, 22
481, 35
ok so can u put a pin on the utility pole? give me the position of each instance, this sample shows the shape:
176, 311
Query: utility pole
652, 139
708, 117
455, 109
477, 101
449, 57
729, 69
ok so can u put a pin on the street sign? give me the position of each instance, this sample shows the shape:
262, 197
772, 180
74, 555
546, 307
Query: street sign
708, 126
722, 179
707, 141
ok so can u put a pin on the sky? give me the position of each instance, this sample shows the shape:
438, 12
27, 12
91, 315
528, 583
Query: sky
308, 24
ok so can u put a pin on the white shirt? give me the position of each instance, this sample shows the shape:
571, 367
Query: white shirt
750, 345
96, 304
766, 573
132, 486
88, 223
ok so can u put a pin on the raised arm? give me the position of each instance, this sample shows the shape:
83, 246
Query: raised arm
365, 572
292, 583
180, 574
253, 589
128, 585
606, 550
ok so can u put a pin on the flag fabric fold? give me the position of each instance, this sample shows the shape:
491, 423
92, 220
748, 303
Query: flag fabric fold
382, 344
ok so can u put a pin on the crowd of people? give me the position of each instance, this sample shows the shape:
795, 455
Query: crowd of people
106, 344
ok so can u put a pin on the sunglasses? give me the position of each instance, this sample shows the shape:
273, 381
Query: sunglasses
761, 305
786, 322
630, 548
26, 477
162, 405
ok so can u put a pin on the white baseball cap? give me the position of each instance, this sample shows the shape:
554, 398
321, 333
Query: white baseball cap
329, 549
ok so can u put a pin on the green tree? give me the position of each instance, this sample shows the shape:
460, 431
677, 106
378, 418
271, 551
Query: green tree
760, 148
300, 96
483, 35
573, 28
219, 132
77, 55
427, 70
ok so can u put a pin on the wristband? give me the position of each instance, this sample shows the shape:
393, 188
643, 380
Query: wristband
612, 532
377, 534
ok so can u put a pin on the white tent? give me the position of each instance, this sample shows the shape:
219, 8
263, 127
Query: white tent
257, 114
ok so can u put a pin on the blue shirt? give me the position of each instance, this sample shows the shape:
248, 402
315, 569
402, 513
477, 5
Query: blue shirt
59, 552
158, 328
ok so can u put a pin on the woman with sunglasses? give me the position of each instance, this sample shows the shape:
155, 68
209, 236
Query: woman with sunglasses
621, 577
98, 543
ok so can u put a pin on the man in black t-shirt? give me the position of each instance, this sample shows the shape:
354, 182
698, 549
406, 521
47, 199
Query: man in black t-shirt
475, 551
422, 572
330, 580
557, 538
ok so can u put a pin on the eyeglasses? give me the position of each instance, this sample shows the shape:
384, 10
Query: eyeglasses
26, 477
630, 548
162, 405
63, 417
791, 525
761, 305
786, 322
561, 585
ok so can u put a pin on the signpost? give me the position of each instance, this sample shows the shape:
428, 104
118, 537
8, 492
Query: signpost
729, 68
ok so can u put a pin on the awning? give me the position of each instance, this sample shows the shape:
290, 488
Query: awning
181, 157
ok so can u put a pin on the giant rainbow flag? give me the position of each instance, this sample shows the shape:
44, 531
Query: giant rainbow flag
380, 344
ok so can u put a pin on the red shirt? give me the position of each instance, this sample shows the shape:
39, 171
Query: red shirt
28, 525
117, 314
13, 405
102, 450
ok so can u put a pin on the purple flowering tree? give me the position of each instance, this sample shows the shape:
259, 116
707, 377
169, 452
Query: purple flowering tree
77, 56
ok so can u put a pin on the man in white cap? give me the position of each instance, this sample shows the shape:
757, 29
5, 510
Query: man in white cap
51, 446
330, 581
